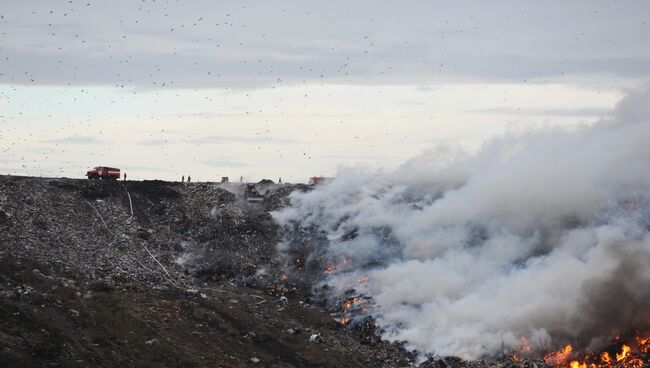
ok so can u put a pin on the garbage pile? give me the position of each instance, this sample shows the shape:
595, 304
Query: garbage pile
153, 273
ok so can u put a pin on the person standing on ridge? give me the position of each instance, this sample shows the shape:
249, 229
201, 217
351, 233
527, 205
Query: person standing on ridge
124, 176
183, 179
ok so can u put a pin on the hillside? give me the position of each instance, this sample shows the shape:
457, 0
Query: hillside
188, 280
165, 274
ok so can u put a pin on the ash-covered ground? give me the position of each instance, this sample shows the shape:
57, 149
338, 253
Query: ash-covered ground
163, 274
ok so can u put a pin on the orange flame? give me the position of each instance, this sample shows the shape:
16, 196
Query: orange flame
343, 320
643, 341
605, 357
298, 263
576, 364
624, 353
525, 346
559, 358
632, 355
346, 308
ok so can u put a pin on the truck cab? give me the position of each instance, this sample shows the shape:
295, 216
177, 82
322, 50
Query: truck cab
316, 180
103, 172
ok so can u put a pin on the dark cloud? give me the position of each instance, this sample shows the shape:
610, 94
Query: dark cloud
262, 44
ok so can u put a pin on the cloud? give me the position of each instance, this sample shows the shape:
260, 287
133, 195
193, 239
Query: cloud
239, 111
222, 139
635, 108
581, 112
226, 163
261, 139
141, 168
77, 140
225, 45
353, 157
208, 115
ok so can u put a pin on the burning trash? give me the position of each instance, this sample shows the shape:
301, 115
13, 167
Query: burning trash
543, 234
632, 354
351, 309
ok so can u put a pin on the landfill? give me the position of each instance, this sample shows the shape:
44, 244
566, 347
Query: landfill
168, 274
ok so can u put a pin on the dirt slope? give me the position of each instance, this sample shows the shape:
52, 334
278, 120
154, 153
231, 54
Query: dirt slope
188, 280
160, 274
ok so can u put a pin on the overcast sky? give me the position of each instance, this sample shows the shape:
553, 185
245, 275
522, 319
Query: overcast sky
297, 88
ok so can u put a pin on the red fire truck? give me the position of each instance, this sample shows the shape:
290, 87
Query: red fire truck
103, 172
315, 180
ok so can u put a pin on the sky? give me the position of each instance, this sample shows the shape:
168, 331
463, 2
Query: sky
295, 89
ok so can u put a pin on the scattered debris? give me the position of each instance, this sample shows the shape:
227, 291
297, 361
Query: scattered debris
194, 266
317, 338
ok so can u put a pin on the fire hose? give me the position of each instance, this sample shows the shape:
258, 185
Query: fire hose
128, 221
168, 277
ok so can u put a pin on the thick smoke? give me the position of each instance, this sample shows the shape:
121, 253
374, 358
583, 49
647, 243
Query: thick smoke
542, 235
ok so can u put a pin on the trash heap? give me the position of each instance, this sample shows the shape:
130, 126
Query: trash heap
153, 273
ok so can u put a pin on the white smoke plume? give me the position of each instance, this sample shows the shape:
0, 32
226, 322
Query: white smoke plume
543, 235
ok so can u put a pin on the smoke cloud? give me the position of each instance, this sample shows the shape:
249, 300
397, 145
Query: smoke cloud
542, 235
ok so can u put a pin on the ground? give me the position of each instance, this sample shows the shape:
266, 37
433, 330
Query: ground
81, 285
162, 274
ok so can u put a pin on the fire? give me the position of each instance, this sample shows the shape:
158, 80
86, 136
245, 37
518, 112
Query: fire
330, 267
576, 364
643, 342
341, 262
624, 353
517, 358
351, 306
348, 303
346, 308
605, 358
525, 346
559, 358
633, 355
344, 320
